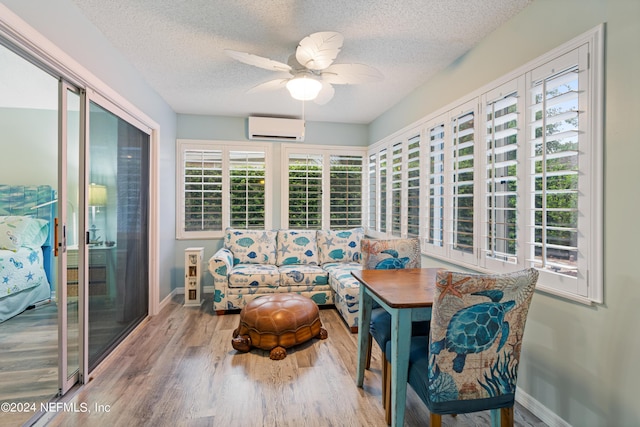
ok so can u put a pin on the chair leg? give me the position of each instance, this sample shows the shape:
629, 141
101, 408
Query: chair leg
385, 380
502, 417
386, 389
435, 420
506, 417
369, 344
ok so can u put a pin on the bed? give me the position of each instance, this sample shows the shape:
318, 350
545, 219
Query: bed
26, 247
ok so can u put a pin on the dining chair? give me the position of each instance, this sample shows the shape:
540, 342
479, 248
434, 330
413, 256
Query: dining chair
470, 361
389, 254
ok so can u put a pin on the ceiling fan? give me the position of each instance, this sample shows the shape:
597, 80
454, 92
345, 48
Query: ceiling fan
311, 68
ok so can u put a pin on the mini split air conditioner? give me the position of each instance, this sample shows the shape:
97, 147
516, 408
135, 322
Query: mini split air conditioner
276, 129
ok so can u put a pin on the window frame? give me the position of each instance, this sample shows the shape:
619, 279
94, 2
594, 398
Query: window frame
325, 151
226, 147
588, 286
384, 178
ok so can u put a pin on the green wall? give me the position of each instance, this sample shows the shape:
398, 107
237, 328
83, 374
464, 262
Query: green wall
577, 361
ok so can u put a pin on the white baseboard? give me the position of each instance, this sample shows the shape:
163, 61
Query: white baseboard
168, 299
539, 410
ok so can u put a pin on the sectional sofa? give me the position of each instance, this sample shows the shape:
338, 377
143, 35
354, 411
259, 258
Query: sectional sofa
317, 264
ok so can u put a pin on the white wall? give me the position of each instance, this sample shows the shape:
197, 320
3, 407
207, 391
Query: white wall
580, 362
40, 142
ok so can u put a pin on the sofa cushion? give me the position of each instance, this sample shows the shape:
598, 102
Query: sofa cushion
339, 245
303, 274
340, 277
297, 247
251, 246
254, 276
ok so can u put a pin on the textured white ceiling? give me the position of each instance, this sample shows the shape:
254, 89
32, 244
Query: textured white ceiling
177, 45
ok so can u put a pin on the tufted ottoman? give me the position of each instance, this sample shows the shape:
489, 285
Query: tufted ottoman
277, 322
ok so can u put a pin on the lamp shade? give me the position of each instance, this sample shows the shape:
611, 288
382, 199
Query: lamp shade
97, 195
304, 88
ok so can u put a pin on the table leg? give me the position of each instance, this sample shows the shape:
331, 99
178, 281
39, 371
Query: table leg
400, 347
364, 320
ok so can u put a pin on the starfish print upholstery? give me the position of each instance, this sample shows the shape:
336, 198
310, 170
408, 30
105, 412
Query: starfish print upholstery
450, 287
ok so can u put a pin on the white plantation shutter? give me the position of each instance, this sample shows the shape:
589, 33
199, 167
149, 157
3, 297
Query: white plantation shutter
324, 187
462, 187
247, 174
383, 191
556, 247
413, 186
397, 166
501, 179
222, 185
509, 179
345, 206
434, 232
202, 190
305, 191
372, 222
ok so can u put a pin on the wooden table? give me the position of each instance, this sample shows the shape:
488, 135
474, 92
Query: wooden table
408, 296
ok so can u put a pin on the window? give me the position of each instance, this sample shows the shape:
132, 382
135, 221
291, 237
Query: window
305, 191
397, 175
397, 208
202, 190
433, 234
345, 191
503, 175
247, 175
382, 226
463, 136
511, 175
373, 192
323, 187
413, 186
563, 160
220, 185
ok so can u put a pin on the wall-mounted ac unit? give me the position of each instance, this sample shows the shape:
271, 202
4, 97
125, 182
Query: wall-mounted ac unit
276, 129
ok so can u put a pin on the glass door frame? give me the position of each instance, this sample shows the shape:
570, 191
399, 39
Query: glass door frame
83, 250
67, 380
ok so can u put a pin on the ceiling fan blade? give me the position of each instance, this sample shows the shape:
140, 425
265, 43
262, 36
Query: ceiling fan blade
325, 94
318, 50
270, 85
257, 61
349, 74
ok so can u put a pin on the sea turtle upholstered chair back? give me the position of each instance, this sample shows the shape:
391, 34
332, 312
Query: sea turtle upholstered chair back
390, 254
477, 325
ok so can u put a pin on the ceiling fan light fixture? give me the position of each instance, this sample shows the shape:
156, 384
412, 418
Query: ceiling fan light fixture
304, 88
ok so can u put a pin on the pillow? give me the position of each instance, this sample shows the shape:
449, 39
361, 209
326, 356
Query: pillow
390, 254
339, 245
297, 247
22, 232
251, 246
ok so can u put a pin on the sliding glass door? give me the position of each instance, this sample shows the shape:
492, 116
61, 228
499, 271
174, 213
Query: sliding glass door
118, 231
93, 160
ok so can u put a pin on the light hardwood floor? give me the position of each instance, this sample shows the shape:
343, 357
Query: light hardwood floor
28, 361
179, 369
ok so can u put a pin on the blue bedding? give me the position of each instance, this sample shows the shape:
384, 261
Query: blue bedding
21, 270
27, 216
